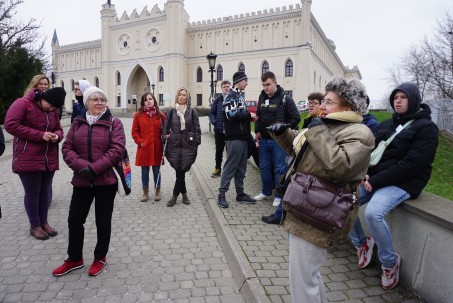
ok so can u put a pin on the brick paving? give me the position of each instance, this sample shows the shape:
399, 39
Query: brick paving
196, 253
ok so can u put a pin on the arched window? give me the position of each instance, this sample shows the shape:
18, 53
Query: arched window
161, 74
264, 67
96, 81
199, 75
219, 73
241, 67
62, 83
72, 84
314, 78
118, 78
289, 68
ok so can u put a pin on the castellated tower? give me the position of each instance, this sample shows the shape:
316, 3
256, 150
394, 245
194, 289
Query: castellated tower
177, 21
108, 17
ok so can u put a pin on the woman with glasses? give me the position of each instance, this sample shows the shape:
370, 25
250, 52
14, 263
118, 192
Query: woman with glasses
95, 141
334, 147
314, 103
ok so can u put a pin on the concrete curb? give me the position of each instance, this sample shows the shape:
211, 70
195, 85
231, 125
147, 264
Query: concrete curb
243, 274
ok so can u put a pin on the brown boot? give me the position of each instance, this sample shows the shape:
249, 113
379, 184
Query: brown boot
172, 201
39, 233
49, 230
145, 196
157, 195
185, 199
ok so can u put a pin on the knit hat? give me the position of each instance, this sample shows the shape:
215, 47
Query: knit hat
54, 96
353, 92
89, 91
238, 77
83, 85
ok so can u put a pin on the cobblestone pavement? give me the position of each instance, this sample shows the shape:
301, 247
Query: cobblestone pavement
158, 254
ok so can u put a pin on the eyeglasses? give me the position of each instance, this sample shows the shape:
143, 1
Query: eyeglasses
99, 101
329, 102
313, 103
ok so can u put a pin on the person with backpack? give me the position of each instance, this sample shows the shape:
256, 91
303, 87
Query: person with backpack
183, 134
147, 128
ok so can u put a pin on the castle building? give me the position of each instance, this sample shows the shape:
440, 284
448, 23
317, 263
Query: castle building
161, 50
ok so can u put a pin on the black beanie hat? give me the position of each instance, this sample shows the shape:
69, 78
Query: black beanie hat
54, 96
238, 77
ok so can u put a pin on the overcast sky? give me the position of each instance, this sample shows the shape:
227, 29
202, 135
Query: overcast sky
370, 34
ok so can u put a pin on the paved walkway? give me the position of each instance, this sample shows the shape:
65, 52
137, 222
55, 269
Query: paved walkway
196, 253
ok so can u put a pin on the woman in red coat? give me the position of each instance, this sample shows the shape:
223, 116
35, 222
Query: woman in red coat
146, 132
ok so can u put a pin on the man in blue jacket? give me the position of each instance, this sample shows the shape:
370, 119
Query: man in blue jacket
216, 118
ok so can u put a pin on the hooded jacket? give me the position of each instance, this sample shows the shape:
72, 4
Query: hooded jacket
99, 146
275, 111
216, 115
182, 145
407, 160
28, 122
338, 151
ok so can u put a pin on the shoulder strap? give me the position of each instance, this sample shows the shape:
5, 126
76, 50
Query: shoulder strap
387, 142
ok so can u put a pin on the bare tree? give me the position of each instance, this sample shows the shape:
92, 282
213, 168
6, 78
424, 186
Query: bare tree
14, 32
429, 64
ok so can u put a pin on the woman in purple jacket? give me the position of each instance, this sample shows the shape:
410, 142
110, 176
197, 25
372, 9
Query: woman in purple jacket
35, 125
94, 143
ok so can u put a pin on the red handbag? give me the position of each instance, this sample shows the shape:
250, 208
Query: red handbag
320, 203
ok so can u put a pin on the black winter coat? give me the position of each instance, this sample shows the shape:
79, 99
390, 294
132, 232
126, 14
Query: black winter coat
406, 162
182, 146
236, 118
216, 115
275, 111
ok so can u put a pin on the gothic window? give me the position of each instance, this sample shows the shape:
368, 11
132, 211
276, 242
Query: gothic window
72, 84
118, 78
241, 67
199, 75
62, 83
289, 68
264, 67
96, 81
219, 73
161, 74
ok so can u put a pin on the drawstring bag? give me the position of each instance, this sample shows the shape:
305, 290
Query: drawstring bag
123, 173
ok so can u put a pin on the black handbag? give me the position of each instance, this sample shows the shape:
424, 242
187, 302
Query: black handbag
320, 203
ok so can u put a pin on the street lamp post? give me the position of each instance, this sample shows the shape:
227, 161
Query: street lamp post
211, 61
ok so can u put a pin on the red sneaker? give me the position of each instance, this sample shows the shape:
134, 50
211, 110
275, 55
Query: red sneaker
365, 252
391, 276
67, 266
97, 267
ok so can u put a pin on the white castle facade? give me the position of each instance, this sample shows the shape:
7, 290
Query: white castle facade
161, 50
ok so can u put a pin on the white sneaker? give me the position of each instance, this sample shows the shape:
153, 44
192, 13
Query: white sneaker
277, 201
262, 196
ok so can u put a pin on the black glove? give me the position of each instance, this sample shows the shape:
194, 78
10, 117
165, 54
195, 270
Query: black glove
315, 122
278, 128
87, 173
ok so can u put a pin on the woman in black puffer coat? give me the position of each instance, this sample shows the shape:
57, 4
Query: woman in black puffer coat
183, 135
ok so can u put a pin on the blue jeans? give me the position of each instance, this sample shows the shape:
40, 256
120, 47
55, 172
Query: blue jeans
380, 202
271, 156
145, 176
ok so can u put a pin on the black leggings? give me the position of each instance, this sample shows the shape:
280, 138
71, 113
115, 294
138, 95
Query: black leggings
180, 183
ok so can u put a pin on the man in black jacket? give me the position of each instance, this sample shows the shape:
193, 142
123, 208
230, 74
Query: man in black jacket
274, 105
236, 121
401, 174
216, 118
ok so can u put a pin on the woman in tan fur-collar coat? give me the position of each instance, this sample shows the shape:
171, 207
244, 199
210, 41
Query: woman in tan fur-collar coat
338, 149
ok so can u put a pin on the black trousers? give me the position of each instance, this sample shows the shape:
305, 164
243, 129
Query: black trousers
82, 197
180, 183
219, 147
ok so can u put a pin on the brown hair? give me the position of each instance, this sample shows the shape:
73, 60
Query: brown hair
34, 82
225, 82
315, 96
177, 94
268, 75
142, 103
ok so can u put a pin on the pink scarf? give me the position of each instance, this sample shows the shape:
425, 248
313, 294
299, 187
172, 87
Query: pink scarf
150, 111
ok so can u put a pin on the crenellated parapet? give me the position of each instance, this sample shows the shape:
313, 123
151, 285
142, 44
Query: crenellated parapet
253, 17
145, 14
80, 46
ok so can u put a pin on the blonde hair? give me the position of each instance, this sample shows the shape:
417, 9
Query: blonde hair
34, 83
177, 94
